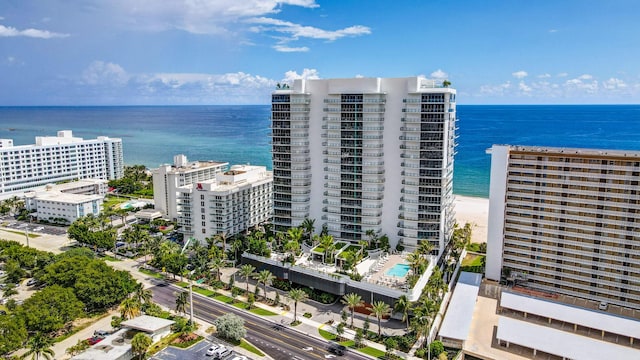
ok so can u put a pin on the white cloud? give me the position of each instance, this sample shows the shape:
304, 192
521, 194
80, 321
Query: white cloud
228, 18
493, 90
284, 48
563, 74
544, 76
524, 87
100, 72
613, 84
520, 74
553, 31
291, 75
439, 74
7, 31
297, 31
358, 76
585, 77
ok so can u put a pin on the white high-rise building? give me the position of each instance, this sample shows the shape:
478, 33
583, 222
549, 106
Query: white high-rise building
57, 158
566, 221
366, 154
168, 178
233, 202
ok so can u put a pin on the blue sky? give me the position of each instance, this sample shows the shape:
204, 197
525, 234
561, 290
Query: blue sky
162, 52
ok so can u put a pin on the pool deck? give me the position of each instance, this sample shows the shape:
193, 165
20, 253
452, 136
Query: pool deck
378, 272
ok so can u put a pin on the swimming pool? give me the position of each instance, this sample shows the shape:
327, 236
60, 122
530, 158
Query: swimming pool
398, 270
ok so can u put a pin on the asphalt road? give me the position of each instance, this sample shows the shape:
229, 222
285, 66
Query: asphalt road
278, 341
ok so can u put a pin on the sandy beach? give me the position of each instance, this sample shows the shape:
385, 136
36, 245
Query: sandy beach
475, 211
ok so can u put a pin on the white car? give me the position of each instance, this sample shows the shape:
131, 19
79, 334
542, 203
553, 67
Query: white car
240, 357
212, 350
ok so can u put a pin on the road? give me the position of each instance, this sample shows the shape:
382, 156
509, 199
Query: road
278, 341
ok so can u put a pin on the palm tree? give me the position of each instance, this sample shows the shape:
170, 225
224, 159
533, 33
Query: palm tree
222, 237
308, 225
247, 270
352, 301
266, 278
373, 238
216, 264
380, 309
326, 241
403, 305
416, 262
425, 247
297, 295
139, 344
39, 345
296, 234
423, 316
129, 308
141, 294
182, 298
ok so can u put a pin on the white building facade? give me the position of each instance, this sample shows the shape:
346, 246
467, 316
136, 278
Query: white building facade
57, 158
53, 205
168, 178
234, 201
566, 221
366, 154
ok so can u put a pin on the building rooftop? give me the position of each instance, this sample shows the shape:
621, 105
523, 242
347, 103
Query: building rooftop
76, 184
67, 198
593, 319
572, 151
112, 347
560, 343
459, 314
147, 323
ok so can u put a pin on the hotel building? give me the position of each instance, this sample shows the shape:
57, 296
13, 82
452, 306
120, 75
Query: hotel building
168, 178
566, 221
232, 202
57, 158
365, 154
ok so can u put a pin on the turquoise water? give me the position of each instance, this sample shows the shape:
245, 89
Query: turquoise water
398, 270
151, 135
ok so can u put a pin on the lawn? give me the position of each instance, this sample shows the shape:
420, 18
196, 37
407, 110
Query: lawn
205, 292
245, 345
350, 344
225, 299
151, 273
111, 200
21, 233
472, 260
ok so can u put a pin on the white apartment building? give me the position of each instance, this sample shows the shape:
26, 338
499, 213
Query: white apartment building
168, 178
366, 154
566, 221
82, 187
57, 158
233, 202
53, 205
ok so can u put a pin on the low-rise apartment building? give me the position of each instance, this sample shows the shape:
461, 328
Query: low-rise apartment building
232, 202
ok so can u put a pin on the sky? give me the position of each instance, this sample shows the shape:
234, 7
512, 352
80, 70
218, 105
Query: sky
208, 52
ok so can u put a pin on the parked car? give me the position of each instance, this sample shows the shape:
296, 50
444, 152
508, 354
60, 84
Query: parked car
94, 340
603, 305
32, 282
100, 333
212, 350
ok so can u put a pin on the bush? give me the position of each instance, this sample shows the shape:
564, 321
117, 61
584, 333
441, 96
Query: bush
436, 348
281, 284
307, 315
230, 326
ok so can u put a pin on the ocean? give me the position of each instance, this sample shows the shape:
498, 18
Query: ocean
152, 135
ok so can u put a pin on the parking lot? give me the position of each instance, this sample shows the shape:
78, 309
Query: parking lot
10, 223
197, 351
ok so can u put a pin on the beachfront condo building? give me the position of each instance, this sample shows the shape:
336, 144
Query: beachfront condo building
230, 203
565, 221
56, 159
365, 155
168, 178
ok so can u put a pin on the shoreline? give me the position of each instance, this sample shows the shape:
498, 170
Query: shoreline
473, 210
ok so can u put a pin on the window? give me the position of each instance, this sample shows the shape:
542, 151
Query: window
204, 223
204, 231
